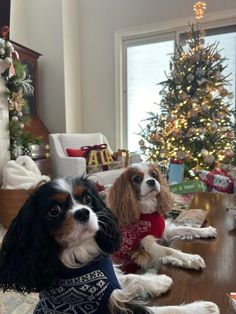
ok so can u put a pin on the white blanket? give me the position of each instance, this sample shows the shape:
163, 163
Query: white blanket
22, 173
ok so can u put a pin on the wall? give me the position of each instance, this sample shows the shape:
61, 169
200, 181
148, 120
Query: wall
73, 108
39, 26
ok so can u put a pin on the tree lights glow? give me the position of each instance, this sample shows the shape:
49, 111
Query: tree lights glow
195, 124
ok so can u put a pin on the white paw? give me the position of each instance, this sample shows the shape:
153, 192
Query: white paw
194, 262
190, 261
210, 232
154, 284
163, 284
171, 260
201, 307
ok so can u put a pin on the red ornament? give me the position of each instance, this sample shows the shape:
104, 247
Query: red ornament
229, 153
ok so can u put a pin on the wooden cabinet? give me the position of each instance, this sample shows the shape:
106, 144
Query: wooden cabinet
36, 127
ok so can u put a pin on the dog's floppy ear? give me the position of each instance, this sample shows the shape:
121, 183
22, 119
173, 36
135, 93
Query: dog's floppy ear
164, 198
28, 256
123, 201
108, 236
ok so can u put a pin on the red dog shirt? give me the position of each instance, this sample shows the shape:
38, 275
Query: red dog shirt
149, 224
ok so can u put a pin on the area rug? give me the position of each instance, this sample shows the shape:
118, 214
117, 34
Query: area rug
16, 303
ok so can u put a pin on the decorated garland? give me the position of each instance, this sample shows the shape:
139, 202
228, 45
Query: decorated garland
18, 84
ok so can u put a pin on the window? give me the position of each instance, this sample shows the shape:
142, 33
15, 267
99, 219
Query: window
145, 62
226, 37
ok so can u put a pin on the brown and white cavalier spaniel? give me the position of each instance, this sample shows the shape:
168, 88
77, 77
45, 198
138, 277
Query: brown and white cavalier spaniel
140, 198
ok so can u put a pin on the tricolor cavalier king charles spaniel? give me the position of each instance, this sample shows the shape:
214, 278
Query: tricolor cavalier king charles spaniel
139, 199
59, 245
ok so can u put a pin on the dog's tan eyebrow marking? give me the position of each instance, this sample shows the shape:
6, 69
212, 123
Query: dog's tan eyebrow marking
134, 171
79, 190
60, 197
152, 169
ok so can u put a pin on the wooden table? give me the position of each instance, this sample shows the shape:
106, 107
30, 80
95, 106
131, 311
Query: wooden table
219, 276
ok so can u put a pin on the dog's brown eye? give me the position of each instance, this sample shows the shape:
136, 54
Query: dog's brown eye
137, 179
54, 211
87, 200
154, 175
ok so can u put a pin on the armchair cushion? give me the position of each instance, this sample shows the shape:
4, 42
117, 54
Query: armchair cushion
82, 139
73, 152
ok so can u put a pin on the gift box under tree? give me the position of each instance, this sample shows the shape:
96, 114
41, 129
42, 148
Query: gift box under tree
217, 180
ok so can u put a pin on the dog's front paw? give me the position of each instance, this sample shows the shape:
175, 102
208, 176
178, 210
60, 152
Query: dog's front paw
171, 260
163, 284
201, 307
210, 232
154, 284
190, 261
194, 261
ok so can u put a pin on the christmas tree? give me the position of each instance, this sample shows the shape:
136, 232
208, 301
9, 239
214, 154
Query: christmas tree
196, 121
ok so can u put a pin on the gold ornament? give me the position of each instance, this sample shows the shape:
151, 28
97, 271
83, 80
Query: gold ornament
204, 152
17, 101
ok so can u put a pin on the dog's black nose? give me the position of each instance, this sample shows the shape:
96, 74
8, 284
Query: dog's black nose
151, 182
82, 215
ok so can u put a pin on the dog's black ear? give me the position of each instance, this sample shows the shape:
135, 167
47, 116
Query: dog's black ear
28, 256
108, 236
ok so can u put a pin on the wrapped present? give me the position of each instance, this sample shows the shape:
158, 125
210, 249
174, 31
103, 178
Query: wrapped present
189, 186
176, 171
123, 156
94, 168
232, 173
98, 157
217, 180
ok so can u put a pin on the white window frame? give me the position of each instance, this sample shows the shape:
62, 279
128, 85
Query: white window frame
211, 20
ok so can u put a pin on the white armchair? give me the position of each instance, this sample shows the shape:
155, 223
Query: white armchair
63, 166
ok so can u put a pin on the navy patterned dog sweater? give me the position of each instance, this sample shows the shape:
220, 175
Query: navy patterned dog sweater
84, 290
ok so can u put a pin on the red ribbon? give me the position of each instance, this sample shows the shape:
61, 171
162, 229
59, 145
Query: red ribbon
177, 161
86, 149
